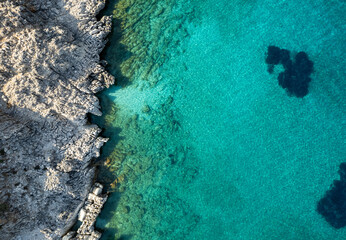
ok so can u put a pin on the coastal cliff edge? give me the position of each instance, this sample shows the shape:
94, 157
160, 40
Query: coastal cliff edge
50, 71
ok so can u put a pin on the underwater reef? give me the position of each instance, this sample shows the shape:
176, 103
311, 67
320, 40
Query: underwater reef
296, 77
333, 205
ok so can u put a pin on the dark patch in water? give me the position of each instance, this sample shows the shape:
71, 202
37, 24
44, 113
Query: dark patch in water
117, 52
333, 205
295, 79
110, 206
128, 209
107, 10
125, 237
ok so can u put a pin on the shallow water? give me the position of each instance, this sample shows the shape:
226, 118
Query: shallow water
204, 142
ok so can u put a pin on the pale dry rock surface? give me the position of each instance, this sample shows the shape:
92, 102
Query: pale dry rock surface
87, 216
49, 73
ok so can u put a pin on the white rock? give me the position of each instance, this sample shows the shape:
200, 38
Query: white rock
49, 72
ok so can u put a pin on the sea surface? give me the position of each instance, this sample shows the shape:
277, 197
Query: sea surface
204, 143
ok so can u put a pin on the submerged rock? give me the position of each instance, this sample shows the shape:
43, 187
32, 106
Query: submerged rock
295, 79
49, 72
333, 205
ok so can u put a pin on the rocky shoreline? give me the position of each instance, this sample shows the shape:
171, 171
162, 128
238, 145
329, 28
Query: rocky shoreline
50, 71
87, 216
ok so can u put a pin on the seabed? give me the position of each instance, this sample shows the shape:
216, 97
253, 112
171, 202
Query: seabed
205, 144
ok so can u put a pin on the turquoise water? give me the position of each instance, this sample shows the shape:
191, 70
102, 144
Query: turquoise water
204, 142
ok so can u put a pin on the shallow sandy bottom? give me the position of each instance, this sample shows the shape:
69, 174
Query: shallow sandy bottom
207, 145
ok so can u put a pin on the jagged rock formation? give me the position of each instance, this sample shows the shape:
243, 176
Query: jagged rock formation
88, 215
49, 72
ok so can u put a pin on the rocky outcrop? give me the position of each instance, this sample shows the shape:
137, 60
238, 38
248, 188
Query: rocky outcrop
49, 72
87, 216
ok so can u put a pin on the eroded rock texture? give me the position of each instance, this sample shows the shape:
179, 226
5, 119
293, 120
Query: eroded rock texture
49, 72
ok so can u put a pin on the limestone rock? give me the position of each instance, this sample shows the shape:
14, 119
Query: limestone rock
49, 72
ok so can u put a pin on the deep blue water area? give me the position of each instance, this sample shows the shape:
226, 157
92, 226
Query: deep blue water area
216, 136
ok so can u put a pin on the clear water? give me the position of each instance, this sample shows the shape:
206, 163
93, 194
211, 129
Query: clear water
204, 143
